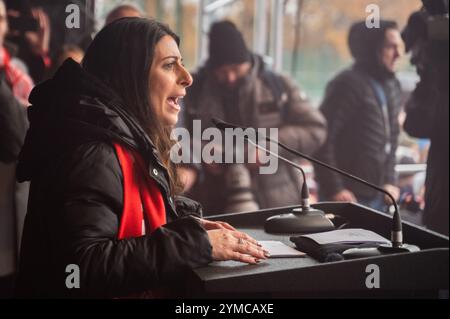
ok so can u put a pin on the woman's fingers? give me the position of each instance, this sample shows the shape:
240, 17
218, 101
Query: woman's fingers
226, 226
235, 245
245, 237
249, 248
244, 258
209, 225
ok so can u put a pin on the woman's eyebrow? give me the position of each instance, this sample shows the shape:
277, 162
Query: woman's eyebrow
173, 57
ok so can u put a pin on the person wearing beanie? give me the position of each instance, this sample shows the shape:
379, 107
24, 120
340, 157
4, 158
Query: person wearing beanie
226, 45
236, 86
361, 105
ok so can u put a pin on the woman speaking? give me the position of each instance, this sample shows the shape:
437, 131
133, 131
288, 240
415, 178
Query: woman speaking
103, 201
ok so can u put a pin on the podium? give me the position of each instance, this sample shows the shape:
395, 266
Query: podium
422, 274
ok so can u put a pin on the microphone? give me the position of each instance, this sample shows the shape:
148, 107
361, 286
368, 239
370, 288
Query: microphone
397, 244
304, 219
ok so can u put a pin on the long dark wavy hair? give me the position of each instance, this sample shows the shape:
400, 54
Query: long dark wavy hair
121, 56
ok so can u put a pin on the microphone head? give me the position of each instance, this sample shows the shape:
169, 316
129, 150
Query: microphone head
217, 123
221, 125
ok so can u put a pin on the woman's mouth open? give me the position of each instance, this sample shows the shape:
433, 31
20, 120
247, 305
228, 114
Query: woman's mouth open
173, 102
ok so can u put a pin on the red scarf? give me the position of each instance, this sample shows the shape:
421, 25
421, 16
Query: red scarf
143, 203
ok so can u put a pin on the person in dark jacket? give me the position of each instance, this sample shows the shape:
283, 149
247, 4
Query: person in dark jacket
427, 109
88, 125
15, 86
361, 105
237, 86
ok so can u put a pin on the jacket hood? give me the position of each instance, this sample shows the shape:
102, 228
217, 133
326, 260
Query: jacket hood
72, 108
365, 46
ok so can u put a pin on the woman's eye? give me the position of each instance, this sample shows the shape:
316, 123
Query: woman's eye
169, 66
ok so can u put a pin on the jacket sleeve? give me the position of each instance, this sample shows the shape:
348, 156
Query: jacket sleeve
304, 127
13, 124
87, 228
186, 206
421, 110
391, 176
338, 106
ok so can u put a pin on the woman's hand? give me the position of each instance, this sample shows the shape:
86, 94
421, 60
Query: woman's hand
234, 245
230, 244
210, 225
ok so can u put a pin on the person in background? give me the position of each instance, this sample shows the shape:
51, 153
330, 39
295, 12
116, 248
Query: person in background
15, 86
104, 193
237, 86
30, 34
123, 11
14, 70
361, 105
67, 51
411, 198
426, 37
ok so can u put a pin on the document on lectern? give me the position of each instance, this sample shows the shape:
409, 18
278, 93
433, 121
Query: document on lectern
326, 246
277, 249
347, 236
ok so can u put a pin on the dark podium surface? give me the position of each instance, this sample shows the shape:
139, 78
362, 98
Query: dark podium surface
418, 274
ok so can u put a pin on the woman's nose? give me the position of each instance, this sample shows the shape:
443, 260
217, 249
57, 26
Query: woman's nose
185, 77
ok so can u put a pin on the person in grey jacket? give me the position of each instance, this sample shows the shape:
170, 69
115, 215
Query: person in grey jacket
237, 86
14, 85
13, 197
361, 105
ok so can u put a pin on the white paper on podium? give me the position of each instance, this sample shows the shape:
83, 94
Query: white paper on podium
277, 249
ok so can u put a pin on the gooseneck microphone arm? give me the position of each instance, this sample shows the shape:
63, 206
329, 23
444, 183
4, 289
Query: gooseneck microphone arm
305, 190
396, 233
303, 219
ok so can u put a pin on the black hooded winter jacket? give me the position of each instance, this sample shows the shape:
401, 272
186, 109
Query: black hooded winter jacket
357, 135
76, 198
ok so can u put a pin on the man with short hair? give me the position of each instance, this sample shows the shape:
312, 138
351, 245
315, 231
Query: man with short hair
237, 86
361, 106
123, 11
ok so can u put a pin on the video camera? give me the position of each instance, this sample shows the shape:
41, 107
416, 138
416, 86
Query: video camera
427, 33
429, 23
